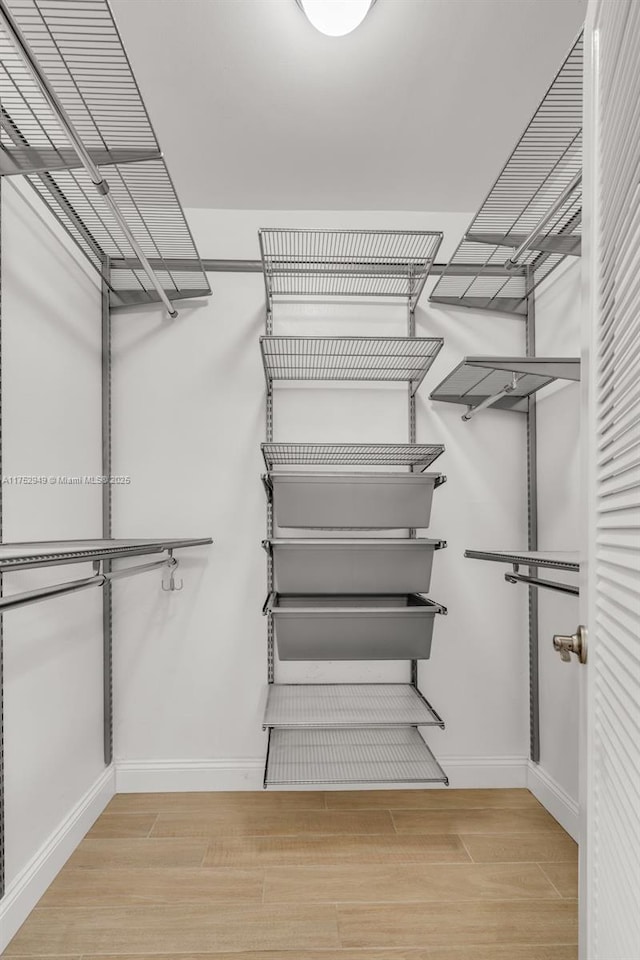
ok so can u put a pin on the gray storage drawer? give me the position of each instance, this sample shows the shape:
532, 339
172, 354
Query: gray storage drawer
354, 628
353, 500
352, 566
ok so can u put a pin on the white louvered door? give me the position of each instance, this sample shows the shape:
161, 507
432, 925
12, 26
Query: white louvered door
610, 585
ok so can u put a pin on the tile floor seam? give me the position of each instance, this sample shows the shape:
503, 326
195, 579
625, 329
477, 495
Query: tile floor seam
337, 927
156, 818
538, 898
560, 894
479, 900
466, 849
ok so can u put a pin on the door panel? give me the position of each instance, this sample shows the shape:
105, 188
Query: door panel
610, 587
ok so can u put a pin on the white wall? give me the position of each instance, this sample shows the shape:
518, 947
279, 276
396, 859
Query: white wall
188, 422
53, 650
558, 306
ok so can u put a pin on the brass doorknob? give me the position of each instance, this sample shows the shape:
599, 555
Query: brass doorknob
576, 643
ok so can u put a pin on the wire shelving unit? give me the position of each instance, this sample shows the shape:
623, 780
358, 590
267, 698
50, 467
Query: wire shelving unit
529, 223
418, 456
480, 380
366, 755
400, 359
347, 263
534, 208
79, 50
357, 732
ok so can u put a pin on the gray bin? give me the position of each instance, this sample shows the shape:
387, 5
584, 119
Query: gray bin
354, 628
354, 500
352, 566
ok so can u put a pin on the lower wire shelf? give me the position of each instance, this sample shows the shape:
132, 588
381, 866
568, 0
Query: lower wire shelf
331, 756
347, 705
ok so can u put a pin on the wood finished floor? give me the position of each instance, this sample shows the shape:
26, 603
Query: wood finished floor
367, 875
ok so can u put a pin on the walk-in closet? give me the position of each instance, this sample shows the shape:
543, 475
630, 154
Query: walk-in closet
319, 518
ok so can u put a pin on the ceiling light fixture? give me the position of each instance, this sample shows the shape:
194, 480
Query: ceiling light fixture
335, 18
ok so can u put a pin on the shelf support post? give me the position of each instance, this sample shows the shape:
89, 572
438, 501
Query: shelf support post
268, 327
107, 529
2, 808
411, 332
532, 531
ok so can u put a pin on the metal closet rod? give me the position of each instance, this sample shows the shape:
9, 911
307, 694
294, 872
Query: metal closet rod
512, 262
73, 586
101, 185
537, 582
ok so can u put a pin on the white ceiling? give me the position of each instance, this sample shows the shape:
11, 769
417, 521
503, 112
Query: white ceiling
416, 110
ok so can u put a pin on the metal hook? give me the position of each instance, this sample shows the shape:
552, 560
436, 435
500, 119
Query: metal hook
172, 563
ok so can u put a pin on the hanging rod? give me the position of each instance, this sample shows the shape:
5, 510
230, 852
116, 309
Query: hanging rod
529, 240
489, 401
73, 586
537, 582
101, 185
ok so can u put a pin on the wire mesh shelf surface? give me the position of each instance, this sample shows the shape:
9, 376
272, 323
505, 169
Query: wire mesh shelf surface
476, 379
77, 44
543, 166
347, 705
391, 755
558, 559
29, 554
349, 358
351, 454
347, 263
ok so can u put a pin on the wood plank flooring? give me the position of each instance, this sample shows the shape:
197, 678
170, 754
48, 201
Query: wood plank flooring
353, 875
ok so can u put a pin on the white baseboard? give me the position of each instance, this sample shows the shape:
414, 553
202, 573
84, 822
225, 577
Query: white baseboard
468, 773
160, 776
177, 776
27, 888
556, 800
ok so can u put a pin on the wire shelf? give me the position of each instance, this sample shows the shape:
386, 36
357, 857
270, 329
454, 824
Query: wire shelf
397, 755
46, 553
347, 263
349, 358
557, 559
348, 705
477, 378
79, 49
543, 165
351, 454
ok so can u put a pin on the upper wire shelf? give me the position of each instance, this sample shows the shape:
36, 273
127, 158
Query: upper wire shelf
347, 263
420, 455
47, 553
504, 381
78, 47
349, 358
536, 198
